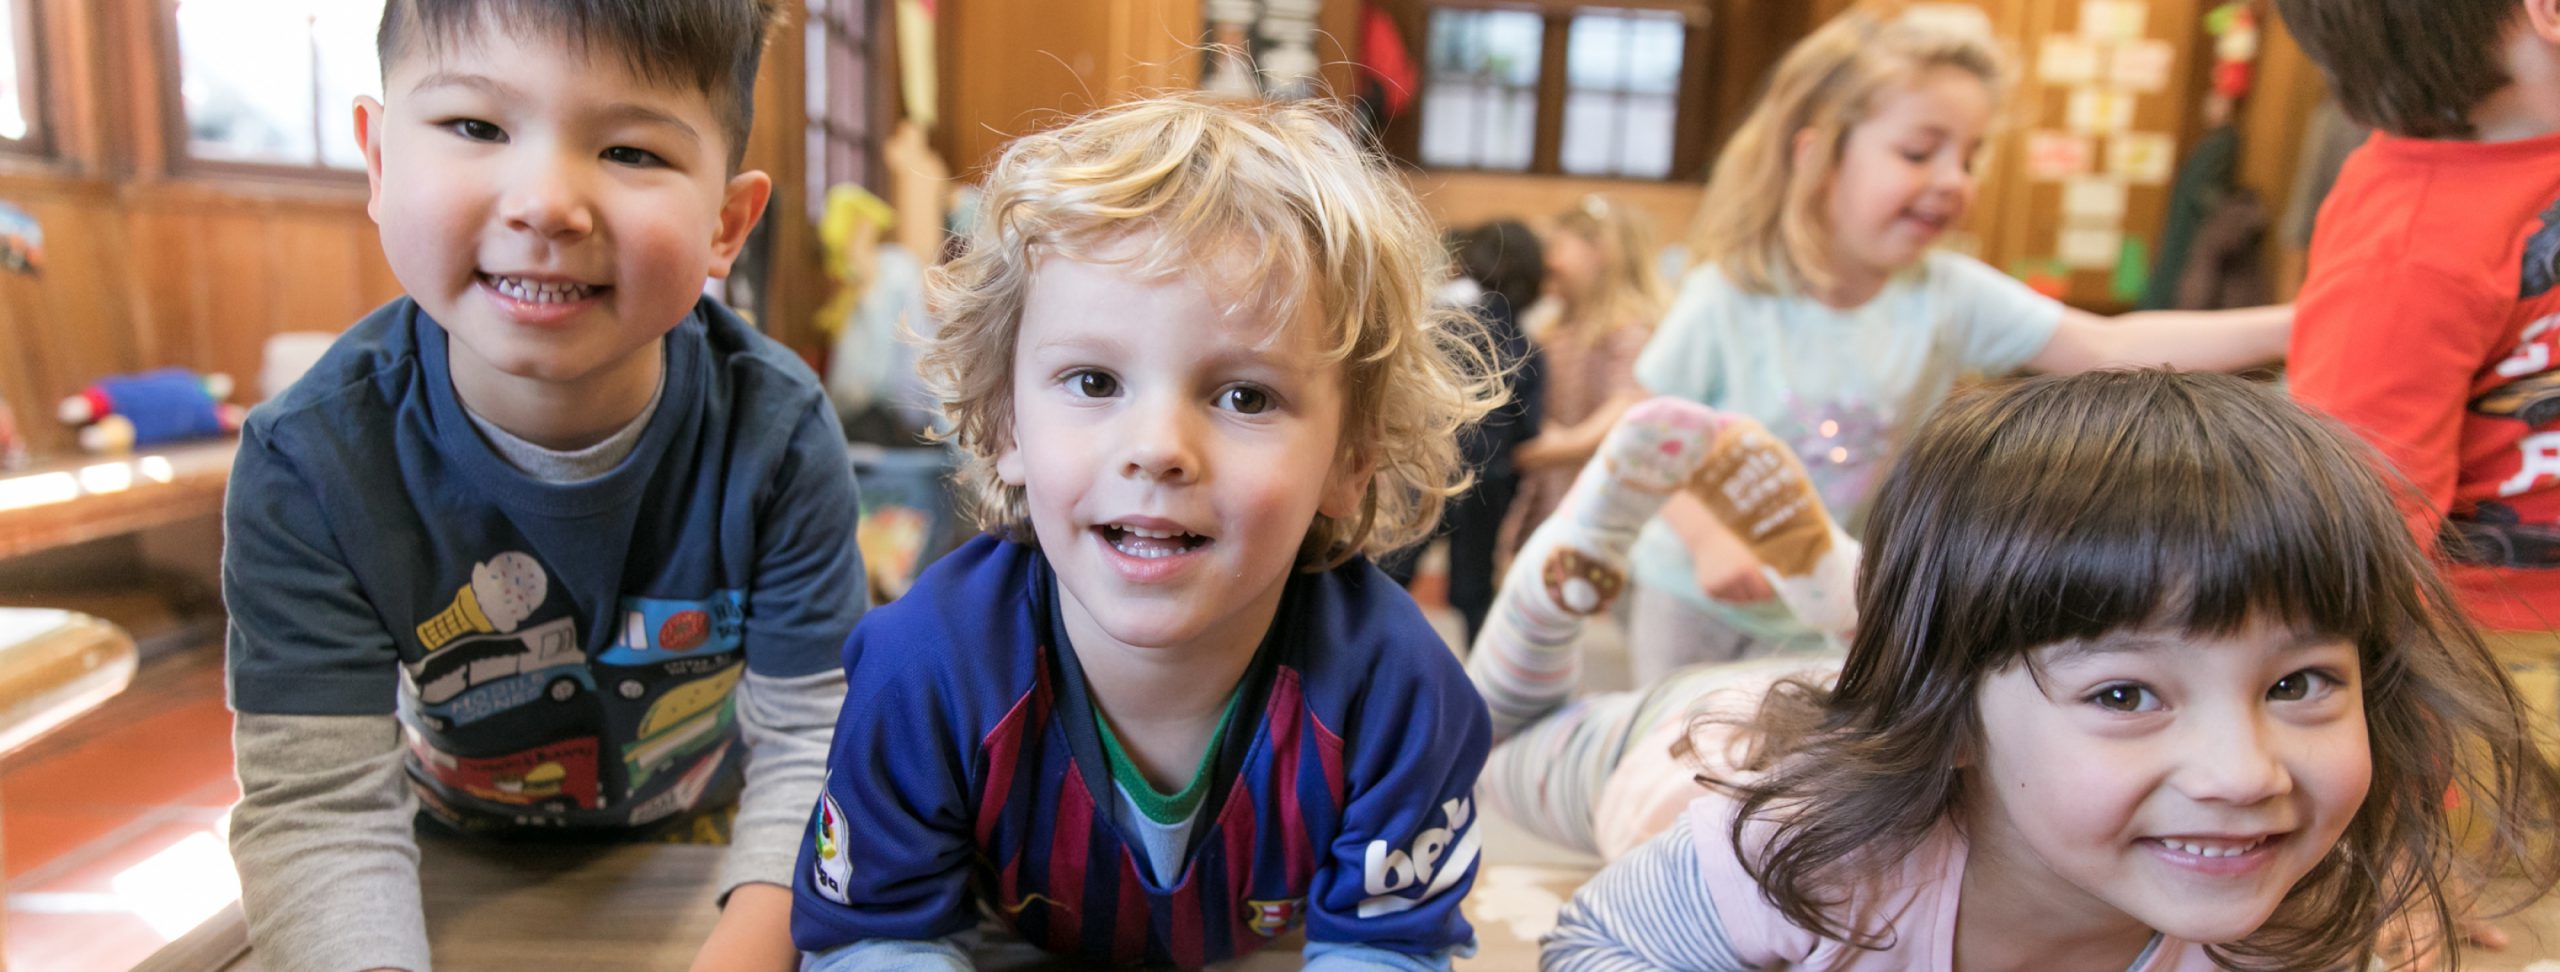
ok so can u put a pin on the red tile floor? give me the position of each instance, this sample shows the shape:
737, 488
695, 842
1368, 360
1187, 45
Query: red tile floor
110, 827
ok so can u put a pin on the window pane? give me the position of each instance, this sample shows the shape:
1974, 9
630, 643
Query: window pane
1592, 123
1625, 50
349, 66
13, 99
1651, 121
1622, 100
274, 80
1479, 106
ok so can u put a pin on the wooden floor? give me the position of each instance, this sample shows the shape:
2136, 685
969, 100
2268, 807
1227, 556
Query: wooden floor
109, 827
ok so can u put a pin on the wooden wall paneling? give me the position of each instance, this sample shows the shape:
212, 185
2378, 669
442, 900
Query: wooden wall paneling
1457, 198
69, 321
236, 262
1016, 66
311, 261
86, 283
22, 370
174, 305
1337, 44
1155, 46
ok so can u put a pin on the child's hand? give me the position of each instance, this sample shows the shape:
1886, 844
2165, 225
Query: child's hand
753, 933
1728, 572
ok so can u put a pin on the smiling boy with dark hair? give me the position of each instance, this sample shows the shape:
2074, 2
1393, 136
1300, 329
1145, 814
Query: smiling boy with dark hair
552, 544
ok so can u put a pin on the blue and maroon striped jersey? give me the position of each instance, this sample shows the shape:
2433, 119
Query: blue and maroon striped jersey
966, 772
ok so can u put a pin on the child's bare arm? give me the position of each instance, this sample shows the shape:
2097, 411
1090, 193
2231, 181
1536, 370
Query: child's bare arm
2228, 340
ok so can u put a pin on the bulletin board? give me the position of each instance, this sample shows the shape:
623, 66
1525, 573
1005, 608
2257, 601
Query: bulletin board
2075, 191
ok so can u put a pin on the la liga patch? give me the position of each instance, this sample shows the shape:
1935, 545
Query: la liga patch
834, 865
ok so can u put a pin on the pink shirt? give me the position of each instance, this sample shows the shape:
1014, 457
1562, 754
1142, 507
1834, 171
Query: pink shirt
1919, 903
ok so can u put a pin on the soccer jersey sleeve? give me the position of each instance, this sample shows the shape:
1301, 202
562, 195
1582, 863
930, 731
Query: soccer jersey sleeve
889, 845
1406, 852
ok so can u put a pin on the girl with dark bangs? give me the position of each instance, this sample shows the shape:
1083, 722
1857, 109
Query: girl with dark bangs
2149, 676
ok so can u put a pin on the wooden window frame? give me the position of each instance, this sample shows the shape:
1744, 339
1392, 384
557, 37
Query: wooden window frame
180, 148
1695, 106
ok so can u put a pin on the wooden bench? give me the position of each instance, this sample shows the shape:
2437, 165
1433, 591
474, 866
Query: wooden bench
70, 501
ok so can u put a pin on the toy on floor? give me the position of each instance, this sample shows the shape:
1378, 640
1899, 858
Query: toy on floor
166, 405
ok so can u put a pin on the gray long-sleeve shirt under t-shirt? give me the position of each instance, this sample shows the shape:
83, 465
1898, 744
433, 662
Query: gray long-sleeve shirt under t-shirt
639, 621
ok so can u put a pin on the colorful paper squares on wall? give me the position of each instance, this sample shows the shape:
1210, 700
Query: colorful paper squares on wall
2114, 20
2100, 110
1958, 17
2142, 65
2058, 155
2094, 200
2067, 60
2142, 158
2091, 247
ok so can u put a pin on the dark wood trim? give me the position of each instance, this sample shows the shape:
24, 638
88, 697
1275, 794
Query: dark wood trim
1697, 112
1546, 158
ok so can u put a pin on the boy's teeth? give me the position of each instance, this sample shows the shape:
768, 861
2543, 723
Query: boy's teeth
536, 292
1150, 544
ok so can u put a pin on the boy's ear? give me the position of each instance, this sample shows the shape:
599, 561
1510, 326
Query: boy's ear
2543, 18
1009, 461
369, 140
741, 204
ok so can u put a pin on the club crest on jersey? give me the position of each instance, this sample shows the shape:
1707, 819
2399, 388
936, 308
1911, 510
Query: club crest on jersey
834, 865
1270, 918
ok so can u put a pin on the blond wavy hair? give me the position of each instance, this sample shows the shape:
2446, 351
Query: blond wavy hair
1630, 291
1762, 221
1284, 187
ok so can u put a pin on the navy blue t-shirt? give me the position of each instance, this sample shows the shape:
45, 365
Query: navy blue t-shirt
559, 654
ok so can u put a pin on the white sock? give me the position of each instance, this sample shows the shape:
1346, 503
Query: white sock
1527, 660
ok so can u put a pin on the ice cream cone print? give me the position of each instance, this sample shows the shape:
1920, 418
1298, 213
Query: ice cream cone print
504, 590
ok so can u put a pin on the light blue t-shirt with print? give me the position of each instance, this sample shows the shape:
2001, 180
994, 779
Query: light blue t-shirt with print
1843, 387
